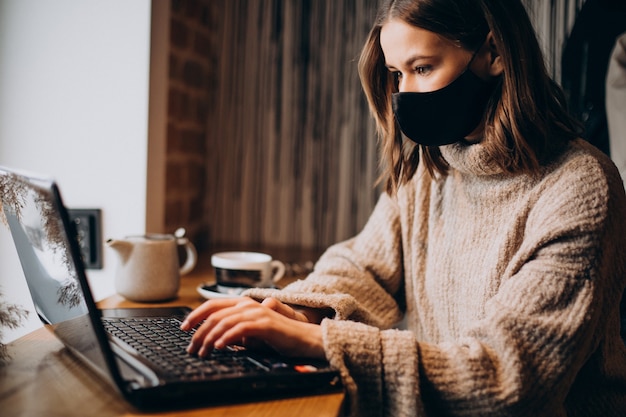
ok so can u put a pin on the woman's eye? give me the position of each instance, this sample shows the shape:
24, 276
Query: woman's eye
422, 70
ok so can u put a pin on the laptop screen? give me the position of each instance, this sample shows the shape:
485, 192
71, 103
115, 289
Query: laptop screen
33, 211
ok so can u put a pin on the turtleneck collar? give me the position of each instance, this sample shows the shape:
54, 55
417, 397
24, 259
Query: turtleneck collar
470, 158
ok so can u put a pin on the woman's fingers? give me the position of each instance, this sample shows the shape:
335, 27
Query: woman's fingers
207, 308
235, 328
284, 309
275, 324
210, 334
287, 336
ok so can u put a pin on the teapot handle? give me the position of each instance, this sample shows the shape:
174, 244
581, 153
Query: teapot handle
192, 255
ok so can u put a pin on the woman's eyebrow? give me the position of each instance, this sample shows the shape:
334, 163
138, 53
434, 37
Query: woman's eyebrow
410, 60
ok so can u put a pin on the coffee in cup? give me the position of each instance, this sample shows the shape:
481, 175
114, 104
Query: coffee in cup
237, 271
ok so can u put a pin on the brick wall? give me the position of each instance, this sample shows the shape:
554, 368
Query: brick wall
194, 35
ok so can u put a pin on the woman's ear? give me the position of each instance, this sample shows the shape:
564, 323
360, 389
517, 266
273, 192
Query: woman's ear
496, 66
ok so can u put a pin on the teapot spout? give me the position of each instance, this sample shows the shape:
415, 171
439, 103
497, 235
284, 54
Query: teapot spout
123, 248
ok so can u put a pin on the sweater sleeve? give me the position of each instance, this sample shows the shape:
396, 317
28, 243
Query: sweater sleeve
379, 368
360, 279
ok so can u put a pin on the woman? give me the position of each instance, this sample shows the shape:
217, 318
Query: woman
500, 238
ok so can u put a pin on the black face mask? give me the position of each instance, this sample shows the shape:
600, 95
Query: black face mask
443, 116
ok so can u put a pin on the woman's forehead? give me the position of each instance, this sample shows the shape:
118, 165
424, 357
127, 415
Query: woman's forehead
401, 42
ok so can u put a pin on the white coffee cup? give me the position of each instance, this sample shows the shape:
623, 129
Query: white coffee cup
237, 271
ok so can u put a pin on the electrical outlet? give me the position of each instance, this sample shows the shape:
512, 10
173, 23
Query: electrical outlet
88, 225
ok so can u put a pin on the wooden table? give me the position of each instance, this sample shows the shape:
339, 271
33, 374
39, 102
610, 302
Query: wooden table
45, 379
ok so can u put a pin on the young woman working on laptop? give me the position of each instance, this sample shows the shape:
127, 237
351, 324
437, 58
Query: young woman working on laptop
501, 237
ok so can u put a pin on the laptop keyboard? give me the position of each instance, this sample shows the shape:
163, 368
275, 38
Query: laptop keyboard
163, 343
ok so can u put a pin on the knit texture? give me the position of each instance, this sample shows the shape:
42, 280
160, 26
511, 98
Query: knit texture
509, 286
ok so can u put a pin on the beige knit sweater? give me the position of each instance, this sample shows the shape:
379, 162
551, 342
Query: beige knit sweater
509, 285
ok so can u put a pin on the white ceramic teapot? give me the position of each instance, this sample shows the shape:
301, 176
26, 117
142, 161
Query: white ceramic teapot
149, 267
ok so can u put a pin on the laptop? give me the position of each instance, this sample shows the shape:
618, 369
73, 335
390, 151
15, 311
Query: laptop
151, 370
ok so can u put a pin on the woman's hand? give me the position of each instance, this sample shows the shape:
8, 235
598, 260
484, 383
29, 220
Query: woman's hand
241, 320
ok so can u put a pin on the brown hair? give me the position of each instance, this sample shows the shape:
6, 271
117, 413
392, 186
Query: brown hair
526, 122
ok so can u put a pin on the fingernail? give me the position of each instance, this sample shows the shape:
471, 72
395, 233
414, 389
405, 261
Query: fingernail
184, 325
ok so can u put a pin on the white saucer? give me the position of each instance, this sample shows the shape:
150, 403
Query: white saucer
210, 292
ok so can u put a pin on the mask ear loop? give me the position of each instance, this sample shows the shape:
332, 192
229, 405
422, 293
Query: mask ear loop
467, 66
473, 56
